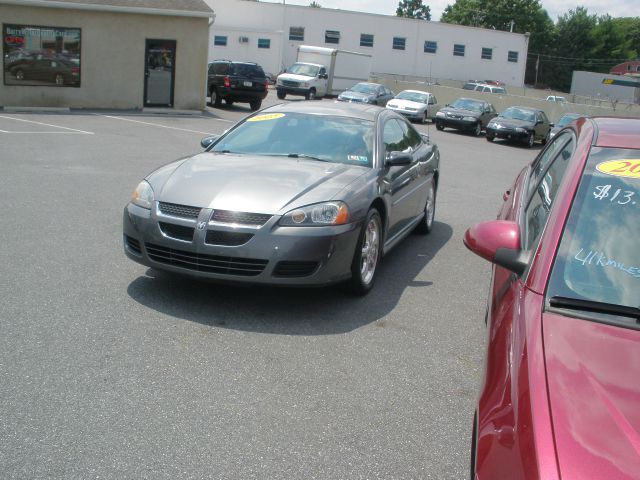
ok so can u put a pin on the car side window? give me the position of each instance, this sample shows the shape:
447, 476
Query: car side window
412, 137
544, 192
393, 137
540, 165
322, 72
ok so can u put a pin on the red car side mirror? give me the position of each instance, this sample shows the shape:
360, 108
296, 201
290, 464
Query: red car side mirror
499, 242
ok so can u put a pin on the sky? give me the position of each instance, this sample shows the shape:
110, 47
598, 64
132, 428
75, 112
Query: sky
615, 8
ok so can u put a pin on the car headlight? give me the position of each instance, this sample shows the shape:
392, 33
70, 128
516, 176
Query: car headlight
304, 84
440, 114
521, 130
319, 214
469, 119
143, 195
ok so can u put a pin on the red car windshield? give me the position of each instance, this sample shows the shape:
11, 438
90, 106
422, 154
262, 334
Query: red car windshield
599, 255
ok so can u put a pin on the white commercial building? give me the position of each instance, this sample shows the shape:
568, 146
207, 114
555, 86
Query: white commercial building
269, 34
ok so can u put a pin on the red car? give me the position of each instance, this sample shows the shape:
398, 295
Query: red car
560, 397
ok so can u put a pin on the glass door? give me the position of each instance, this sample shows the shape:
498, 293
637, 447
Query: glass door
159, 73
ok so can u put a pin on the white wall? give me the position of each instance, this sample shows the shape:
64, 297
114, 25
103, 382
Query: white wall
258, 19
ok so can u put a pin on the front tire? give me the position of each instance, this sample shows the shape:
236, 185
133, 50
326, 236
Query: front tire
531, 139
477, 129
490, 137
311, 95
426, 224
281, 94
367, 254
439, 125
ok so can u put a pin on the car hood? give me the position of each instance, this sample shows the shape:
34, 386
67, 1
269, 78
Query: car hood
396, 103
594, 392
294, 76
461, 111
258, 184
512, 122
350, 95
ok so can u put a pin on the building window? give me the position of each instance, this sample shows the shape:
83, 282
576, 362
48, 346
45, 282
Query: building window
399, 43
43, 56
366, 40
332, 36
296, 34
458, 50
264, 43
430, 47
487, 53
513, 56
220, 40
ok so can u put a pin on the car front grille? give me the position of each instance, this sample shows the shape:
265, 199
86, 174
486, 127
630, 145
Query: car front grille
229, 239
240, 218
244, 267
179, 210
289, 83
178, 232
294, 269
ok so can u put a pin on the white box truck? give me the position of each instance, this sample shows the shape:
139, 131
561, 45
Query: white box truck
321, 71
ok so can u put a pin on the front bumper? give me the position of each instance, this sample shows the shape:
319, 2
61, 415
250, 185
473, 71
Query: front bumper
293, 90
457, 123
417, 115
507, 134
272, 254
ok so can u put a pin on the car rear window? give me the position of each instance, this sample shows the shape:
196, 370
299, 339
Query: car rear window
599, 258
247, 70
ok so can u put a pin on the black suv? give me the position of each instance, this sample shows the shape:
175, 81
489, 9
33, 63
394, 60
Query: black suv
236, 82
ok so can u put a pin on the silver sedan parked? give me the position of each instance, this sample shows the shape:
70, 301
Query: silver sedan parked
296, 194
415, 105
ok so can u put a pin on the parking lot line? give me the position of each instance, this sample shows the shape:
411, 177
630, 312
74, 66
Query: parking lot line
45, 124
160, 125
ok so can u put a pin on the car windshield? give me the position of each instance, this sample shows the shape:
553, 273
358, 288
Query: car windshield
518, 114
413, 96
466, 104
304, 69
320, 137
566, 119
364, 88
598, 259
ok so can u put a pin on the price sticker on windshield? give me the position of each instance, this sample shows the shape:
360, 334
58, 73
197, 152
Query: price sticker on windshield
265, 116
628, 168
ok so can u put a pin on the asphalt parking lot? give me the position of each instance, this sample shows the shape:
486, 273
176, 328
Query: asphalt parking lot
111, 370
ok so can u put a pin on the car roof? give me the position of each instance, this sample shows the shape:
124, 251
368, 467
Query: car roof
341, 109
621, 132
416, 91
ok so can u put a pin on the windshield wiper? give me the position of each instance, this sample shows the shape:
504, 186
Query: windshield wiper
596, 307
304, 155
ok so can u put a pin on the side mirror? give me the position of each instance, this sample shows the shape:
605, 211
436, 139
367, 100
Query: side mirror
425, 138
394, 159
325, 76
552, 125
499, 242
207, 141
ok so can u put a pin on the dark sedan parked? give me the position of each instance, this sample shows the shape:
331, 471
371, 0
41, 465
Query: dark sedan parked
364, 92
297, 194
466, 114
520, 124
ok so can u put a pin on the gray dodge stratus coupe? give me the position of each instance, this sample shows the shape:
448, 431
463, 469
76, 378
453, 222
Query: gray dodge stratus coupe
296, 194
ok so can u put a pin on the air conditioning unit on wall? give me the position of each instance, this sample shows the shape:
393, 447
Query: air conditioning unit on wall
243, 39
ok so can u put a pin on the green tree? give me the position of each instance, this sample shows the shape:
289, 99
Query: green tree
520, 16
413, 9
315, 5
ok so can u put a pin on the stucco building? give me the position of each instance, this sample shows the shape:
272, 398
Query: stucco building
122, 54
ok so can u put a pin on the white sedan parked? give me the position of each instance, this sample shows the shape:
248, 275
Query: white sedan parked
415, 104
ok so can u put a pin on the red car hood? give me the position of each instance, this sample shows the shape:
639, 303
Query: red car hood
593, 374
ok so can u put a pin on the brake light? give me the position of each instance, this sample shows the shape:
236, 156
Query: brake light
266, 83
227, 81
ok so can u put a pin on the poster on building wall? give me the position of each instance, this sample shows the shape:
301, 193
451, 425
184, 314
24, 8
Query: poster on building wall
41, 56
